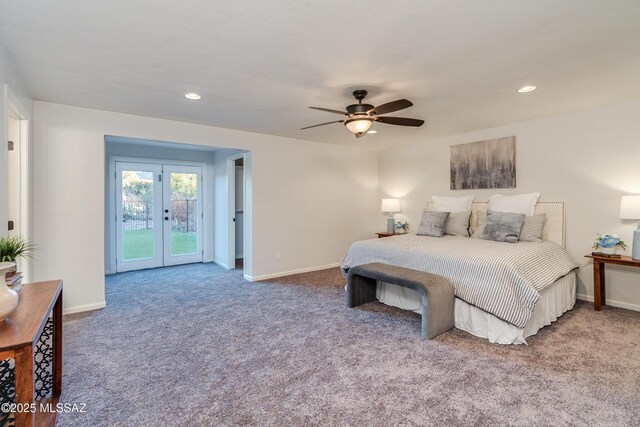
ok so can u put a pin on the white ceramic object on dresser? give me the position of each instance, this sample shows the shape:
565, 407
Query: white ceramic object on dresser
8, 297
630, 209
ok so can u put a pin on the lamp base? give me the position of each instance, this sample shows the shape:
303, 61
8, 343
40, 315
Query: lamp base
635, 249
391, 227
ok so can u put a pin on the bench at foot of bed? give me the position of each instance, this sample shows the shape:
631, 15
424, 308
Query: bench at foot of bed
436, 292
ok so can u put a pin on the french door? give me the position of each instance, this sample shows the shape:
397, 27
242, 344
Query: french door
158, 215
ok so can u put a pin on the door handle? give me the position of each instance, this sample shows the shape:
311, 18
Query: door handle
166, 211
166, 218
234, 220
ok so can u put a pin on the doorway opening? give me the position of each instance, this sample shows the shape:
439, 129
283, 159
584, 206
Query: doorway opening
239, 211
235, 169
158, 215
216, 202
17, 215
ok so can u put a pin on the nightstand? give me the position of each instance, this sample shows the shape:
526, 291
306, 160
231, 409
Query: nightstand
384, 234
598, 275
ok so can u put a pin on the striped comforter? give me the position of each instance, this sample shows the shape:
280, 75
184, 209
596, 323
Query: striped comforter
504, 279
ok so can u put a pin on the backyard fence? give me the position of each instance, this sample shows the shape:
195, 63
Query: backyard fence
138, 215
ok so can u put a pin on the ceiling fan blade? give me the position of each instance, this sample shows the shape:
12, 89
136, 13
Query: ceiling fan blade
322, 124
400, 121
392, 106
328, 110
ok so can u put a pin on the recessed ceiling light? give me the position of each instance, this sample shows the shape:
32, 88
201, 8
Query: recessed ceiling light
526, 89
193, 96
372, 131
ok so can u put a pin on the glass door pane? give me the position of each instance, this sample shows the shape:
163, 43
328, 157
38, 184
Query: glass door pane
183, 202
184, 224
138, 204
137, 214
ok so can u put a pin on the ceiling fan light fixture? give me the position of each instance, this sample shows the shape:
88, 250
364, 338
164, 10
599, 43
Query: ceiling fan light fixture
360, 116
358, 125
526, 89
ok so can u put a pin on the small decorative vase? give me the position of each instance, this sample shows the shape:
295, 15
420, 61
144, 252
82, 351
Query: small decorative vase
8, 297
609, 251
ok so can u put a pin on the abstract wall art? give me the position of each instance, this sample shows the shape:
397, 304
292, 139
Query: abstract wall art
484, 164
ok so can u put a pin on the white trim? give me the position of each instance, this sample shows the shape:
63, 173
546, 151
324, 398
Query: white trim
158, 161
289, 273
83, 308
221, 264
613, 303
15, 106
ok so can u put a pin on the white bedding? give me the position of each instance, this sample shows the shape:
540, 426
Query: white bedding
554, 301
503, 279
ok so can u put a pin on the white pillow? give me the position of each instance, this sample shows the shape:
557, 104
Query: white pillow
452, 204
522, 203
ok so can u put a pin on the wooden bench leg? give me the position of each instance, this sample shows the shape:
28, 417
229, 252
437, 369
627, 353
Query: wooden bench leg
360, 290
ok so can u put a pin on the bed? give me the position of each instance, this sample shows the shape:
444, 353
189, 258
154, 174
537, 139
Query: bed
505, 292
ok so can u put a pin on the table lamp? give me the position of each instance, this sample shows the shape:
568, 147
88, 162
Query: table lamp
391, 206
630, 209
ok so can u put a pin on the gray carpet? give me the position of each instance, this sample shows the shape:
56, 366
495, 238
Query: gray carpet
198, 346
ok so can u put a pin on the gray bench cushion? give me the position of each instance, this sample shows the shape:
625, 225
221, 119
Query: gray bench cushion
436, 292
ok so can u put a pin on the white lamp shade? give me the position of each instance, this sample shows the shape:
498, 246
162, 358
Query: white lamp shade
630, 207
390, 205
358, 126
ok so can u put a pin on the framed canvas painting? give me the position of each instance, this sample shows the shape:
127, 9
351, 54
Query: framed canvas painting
484, 164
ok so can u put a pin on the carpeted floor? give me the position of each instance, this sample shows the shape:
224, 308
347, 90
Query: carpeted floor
198, 346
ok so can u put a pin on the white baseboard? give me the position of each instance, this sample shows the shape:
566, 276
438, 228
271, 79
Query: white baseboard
221, 264
289, 273
81, 308
614, 303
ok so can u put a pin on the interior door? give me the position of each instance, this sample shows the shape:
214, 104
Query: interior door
14, 175
182, 214
139, 227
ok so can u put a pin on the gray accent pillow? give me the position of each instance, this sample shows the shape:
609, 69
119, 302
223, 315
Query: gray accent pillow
458, 224
433, 223
503, 227
532, 228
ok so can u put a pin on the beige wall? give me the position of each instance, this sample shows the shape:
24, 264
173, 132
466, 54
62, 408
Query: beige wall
310, 200
587, 158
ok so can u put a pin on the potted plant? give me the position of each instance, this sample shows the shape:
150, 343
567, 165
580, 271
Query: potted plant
608, 243
401, 227
15, 247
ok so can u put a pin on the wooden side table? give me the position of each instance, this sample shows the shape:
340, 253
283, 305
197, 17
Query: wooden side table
599, 291
31, 341
384, 234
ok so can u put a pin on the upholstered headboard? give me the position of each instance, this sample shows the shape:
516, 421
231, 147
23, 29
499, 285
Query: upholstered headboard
554, 228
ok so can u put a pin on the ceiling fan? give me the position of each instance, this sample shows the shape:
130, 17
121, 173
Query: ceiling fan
361, 116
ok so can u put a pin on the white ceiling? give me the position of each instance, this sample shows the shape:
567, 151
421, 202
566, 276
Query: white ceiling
260, 64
